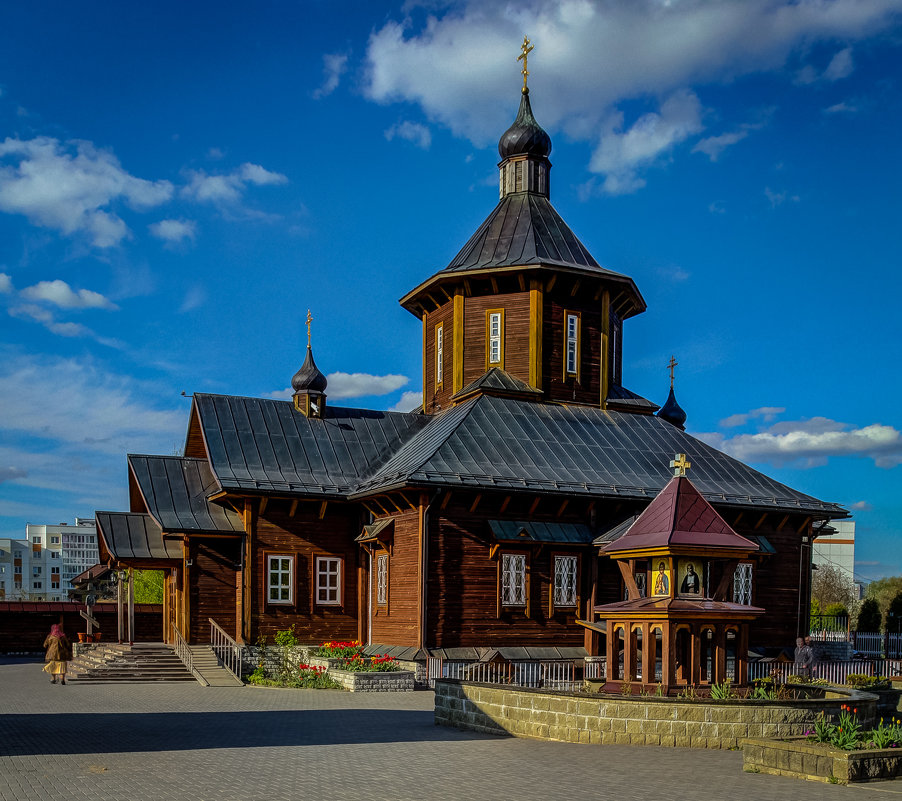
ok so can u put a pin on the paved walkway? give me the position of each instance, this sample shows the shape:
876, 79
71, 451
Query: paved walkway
147, 742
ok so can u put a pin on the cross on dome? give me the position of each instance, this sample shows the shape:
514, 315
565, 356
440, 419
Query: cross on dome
527, 48
670, 365
680, 465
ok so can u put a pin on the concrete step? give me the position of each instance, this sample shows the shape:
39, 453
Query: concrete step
123, 663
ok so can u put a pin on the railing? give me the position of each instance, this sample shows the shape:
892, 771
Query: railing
868, 642
833, 672
556, 675
595, 667
227, 651
834, 624
183, 651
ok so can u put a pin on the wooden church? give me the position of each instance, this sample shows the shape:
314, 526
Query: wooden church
491, 517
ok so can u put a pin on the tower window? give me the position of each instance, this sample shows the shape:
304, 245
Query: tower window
571, 358
439, 353
495, 338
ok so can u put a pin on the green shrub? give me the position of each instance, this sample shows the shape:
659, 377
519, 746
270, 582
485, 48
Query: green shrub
861, 681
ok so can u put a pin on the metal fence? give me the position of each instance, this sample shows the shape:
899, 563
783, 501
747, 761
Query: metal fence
833, 672
555, 675
876, 644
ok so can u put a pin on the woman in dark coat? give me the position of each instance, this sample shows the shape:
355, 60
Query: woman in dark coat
59, 652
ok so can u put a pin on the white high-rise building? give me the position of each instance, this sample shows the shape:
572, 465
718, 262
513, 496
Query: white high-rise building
40, 567
838, 550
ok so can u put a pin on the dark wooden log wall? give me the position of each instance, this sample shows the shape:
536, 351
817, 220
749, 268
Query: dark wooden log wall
25, 625
516, 334
397, 624
462, 592
436, 399
194, 442
306, 537
212, 585
588, 388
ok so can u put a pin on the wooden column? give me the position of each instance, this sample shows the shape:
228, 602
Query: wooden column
629, 653
667, 677
696, 655
610, 653
458, 354
742, 650
186, 591
245, 622
536, 302
120, 622
720, 654
605, 348
648, 655
131, 606
421, 570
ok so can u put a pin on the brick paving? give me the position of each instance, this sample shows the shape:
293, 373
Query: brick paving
147, 742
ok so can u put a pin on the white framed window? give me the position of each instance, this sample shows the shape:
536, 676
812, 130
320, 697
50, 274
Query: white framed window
742, 584
54, 540
572, 350
280, 579
495, 337
36, 540
513, 579
36, 571
382, 580
439, 353
37, 585
328, 581
565, 572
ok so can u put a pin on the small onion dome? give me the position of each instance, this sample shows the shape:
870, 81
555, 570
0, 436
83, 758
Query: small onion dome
525, 137
309, 378
672, 412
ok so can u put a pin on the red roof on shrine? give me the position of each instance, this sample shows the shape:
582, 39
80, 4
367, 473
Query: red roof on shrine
680, 516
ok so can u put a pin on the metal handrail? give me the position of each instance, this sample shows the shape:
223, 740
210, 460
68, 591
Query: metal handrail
183, 652
227, 651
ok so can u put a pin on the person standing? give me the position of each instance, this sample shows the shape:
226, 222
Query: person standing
58, 653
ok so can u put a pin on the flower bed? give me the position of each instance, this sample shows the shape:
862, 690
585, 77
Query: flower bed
308, 677
802, 758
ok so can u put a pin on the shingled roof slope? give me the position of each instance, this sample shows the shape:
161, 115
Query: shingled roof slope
492, 442
257, 444
175, 489
680, 516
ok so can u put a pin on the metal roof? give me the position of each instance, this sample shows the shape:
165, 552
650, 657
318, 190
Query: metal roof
621, 396
536, 531
175, 489
498, 381
504, 443
133, 535
525, 229
264, 445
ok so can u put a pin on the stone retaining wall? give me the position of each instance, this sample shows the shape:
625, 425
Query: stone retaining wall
636, 720
366, 682
806, 760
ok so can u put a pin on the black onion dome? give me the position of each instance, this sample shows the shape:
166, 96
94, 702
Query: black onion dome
525, 137
672, 412
309, 378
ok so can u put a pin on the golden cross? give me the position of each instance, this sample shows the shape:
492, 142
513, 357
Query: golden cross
680, 465
527, 48
670, 365
309, 320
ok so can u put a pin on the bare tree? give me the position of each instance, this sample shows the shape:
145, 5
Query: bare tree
830, 586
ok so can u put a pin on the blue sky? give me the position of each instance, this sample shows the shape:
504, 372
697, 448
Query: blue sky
180, 182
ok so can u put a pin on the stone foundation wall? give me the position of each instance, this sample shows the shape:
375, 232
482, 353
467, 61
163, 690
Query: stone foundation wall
637, 720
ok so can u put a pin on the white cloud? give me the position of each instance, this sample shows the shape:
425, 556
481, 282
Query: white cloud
334, 66
591, 56
620, 156
71, 186
227, 189
174, 231
779, 198
42, 315
713, 146
354, 385
841, 108
766, 413
410, 401
59, 293
813, 441
840, 66
861, 506
9, 473
195, 297
98, 411
412, 132
6, 284
717, 207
